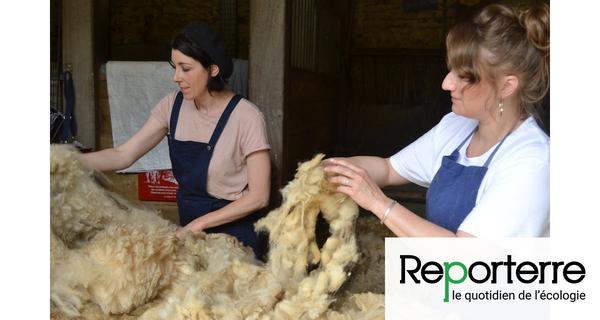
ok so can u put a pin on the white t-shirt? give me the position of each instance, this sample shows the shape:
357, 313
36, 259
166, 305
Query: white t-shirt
514, 197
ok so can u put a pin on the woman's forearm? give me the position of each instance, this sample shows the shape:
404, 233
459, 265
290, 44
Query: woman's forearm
405, 223
247, 204
123, 156
106, 160
257, 196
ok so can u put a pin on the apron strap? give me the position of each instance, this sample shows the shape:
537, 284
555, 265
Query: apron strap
462, 143
223, 120
489, 159
175, 114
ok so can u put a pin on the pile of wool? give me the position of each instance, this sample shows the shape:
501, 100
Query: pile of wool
110, 259
104, 251
367, 274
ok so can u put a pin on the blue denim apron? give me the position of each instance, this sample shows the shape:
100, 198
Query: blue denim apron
453, 190
190, 160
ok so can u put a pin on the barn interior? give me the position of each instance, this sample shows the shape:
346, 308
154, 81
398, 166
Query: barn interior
339, 77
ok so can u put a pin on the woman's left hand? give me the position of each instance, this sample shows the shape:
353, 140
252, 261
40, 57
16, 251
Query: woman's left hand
190, 227
356, 183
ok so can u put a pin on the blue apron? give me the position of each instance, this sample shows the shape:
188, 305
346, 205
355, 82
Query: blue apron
453, 190
190, 160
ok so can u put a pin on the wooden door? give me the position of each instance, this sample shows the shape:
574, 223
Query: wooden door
316, 49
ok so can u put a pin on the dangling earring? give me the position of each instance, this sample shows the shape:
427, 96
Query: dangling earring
501, 107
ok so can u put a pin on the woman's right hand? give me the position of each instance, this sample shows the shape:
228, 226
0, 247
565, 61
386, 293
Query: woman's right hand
355, 182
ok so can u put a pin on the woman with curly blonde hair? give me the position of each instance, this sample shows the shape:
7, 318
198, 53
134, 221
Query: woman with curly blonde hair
486, 163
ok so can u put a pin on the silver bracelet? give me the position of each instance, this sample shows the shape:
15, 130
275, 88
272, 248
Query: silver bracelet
387, 211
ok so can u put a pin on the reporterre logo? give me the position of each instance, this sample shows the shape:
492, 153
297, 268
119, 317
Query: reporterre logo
479, 272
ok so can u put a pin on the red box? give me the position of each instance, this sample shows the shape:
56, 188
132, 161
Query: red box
159, 185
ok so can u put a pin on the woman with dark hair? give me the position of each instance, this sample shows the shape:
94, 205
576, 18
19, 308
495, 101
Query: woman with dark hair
217, 142
486, 163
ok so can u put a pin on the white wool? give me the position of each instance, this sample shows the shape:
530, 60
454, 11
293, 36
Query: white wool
109, 258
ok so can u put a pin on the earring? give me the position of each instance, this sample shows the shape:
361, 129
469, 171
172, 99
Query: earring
501, 107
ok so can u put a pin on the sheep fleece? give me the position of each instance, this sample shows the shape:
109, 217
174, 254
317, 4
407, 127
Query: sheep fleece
113, 260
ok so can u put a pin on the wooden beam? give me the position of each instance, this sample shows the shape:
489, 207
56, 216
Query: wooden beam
77, 36
266, 71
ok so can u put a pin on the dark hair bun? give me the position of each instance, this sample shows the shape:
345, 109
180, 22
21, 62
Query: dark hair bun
206, 39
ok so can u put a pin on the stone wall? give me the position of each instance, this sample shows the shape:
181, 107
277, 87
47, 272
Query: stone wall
142, 29
385, 24
394, 24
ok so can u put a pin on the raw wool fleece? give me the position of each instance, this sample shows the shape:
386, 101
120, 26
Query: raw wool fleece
112, 260
102, 250
293, 247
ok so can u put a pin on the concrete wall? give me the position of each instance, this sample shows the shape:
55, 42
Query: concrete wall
78, 57
266, 73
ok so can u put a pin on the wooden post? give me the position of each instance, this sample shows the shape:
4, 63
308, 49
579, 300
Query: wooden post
266, 71
77, 35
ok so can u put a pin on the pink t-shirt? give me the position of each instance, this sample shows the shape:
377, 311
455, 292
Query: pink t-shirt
244, 133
